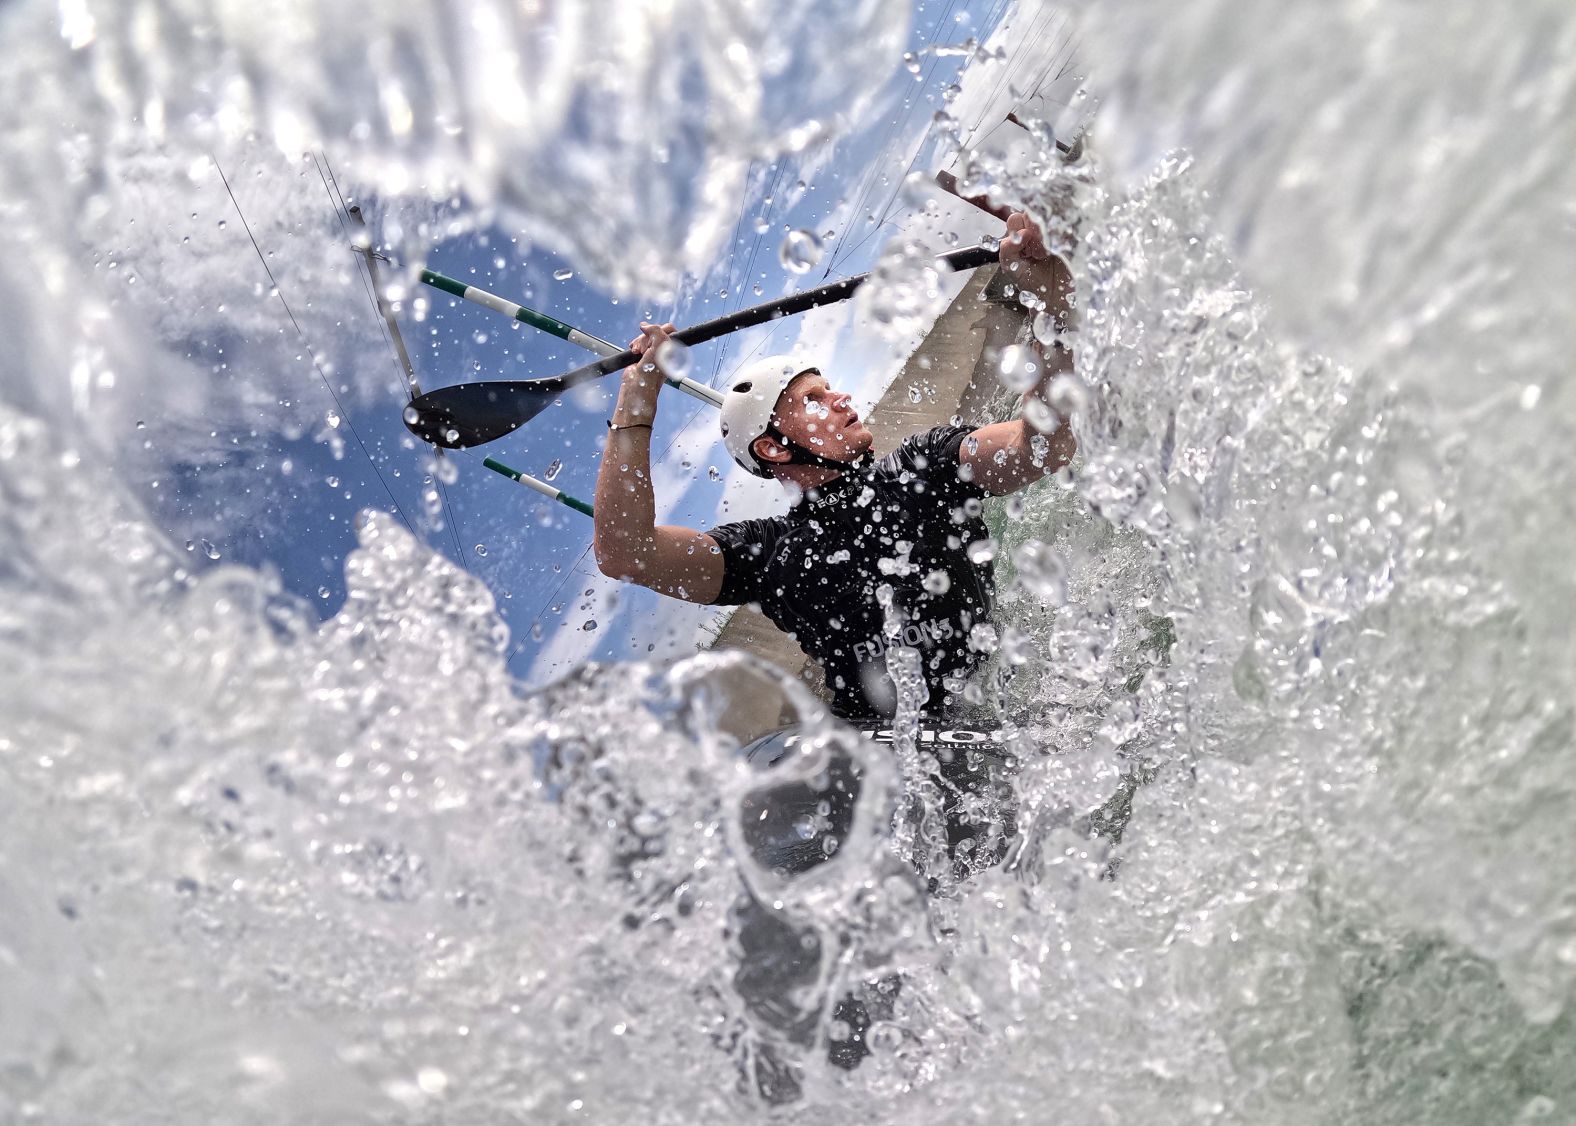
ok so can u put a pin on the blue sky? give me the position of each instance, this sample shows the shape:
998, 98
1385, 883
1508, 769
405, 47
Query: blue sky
288, 502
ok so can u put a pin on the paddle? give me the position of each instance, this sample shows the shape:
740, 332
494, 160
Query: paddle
472, 414
551, 325
542, 487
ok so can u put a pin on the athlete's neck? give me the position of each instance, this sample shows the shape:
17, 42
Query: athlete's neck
800, 479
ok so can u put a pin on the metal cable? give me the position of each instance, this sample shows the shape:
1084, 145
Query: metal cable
309, 350
365, 273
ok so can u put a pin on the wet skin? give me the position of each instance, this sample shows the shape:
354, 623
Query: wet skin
820, 419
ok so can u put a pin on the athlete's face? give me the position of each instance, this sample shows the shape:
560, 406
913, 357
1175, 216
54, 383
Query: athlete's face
822, 420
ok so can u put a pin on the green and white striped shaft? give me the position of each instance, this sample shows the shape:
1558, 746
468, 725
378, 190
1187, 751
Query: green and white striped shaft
540, 486
557, 328
520, 313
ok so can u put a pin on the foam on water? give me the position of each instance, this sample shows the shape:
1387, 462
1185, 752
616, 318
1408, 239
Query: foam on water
1296, 791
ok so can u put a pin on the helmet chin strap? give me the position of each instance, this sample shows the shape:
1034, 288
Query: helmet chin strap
803, 456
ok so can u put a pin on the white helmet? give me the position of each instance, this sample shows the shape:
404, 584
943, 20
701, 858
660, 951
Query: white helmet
748, 405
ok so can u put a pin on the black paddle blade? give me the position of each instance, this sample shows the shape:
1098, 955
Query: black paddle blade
471, 414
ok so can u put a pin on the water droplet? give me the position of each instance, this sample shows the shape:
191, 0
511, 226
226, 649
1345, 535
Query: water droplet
1018, 368
982, 551
222, 224
480, 337
911, 62
714, 473
1069, 395
938, 582
1040, 416
553, 469
481, 549
918, 190
1184, 504
210, 550
800, 250
563, 275
1042, 572
674, 357
590, 625
322, 592
141, 425
982, 638
1017, 648
914, 393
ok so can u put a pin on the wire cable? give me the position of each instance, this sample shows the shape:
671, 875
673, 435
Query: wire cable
343, 413
868, 185
368, 283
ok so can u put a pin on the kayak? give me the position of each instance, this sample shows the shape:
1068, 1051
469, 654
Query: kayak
796, 825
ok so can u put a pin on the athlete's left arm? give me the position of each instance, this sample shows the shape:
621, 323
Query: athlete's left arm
1005, 456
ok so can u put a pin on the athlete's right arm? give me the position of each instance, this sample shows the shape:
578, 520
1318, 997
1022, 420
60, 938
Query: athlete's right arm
629, 543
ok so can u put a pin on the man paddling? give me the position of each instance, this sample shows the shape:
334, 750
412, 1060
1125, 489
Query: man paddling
875, 551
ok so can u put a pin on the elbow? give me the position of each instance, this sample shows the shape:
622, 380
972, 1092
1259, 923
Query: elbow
607, 560
616, 563
614, 567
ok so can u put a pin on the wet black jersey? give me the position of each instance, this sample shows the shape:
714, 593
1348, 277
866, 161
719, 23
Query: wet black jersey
906, 521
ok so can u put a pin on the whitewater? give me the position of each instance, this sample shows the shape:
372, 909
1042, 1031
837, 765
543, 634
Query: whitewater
1292, 699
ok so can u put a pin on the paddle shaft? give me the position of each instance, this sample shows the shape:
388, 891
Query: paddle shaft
551, 325
555, 327
540, 486
968, 258
471, 414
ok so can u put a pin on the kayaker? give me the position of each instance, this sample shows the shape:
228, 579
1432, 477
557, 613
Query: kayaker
875, 550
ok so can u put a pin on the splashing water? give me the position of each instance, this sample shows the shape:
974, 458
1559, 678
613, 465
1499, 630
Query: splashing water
1285, 660
800, 251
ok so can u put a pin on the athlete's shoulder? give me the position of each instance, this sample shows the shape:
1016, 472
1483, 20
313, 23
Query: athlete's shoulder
750, 550
759, 535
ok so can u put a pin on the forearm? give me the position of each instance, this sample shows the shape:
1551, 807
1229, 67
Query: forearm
1051, 283
625, 532
1006, 456
1044, 440
1054, 361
